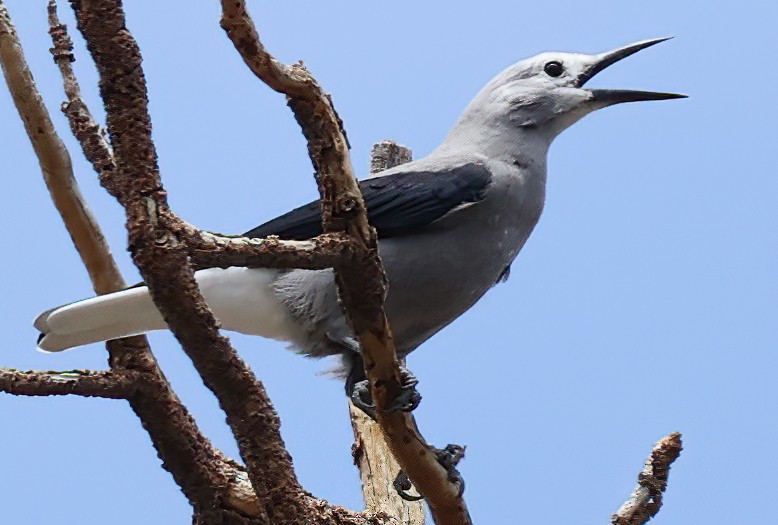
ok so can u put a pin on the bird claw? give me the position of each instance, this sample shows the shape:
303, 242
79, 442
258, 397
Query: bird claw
402, 484
448, 458
406, 400
362, 398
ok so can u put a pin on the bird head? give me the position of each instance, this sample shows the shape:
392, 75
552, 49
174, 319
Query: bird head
546, 94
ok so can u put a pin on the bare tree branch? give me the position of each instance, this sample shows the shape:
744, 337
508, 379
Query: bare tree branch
377, 466
55, 162
388, 154
211, 250
377, 472
361, 279
94, 145
211, 482
162, 258
78, 382
165, 248
646, 499
208, 249
203, 473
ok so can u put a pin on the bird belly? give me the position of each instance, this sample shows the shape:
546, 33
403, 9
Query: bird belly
434, 280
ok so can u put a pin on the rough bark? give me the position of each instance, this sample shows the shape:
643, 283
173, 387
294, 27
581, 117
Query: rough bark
162, 259
360, 276
167, 250
215, 251
76, 382
646, 500
388, 154
373, 457
205, 476
91, 137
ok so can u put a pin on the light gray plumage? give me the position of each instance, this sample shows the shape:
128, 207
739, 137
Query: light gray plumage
449, 225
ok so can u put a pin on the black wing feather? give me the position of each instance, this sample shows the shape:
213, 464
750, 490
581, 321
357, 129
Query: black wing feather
396, 204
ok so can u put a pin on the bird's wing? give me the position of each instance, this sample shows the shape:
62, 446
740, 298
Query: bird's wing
397, 204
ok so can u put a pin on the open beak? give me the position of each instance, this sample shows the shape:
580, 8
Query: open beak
608, 97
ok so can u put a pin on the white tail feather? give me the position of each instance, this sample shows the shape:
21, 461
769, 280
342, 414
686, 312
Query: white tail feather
241, 299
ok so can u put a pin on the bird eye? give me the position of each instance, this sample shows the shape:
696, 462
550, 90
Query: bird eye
554, 69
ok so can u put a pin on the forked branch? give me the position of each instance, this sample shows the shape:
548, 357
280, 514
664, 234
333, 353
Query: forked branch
161, 254
167, 250
361, 279
205, 476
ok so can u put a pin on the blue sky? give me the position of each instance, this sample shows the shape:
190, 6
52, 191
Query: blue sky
645, 302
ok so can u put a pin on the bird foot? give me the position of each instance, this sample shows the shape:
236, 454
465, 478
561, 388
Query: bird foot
448, 458
406, 401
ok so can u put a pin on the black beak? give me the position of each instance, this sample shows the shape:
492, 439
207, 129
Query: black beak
609, 97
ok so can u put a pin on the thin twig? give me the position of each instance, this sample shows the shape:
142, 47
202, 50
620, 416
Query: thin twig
361, 279
94, 145
77, 382
646, 500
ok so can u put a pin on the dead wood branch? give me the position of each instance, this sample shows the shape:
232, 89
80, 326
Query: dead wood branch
377, 472
167, 251
361, 279
205, 476
388, 154
55, 162
85, 383
208, 250
646, 499
163, 260
377, 466
94, 145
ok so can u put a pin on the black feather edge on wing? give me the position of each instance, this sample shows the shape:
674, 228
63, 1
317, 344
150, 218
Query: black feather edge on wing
397, 204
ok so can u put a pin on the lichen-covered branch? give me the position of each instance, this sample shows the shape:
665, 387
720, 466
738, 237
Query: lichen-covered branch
361, 279
646, 500
85, 383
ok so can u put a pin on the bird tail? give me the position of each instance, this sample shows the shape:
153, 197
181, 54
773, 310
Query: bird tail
110, 316
242, 299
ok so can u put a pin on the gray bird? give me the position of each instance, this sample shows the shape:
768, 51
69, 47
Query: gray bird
449, 225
